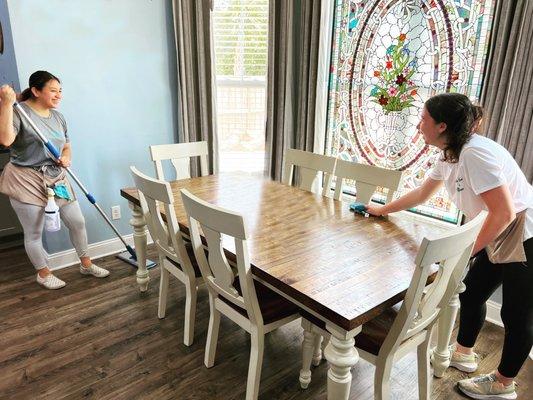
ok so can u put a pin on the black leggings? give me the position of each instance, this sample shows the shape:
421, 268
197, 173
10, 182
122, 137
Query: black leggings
482, 280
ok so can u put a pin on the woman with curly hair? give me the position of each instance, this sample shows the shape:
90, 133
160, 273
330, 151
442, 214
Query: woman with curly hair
479, 174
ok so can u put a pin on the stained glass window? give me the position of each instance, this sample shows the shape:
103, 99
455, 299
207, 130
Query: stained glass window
388, 58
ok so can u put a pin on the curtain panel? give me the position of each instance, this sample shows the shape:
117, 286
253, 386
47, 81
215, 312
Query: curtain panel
197, 90
293, 40
507, 93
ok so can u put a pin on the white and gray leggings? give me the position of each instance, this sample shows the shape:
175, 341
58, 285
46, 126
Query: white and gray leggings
31, 218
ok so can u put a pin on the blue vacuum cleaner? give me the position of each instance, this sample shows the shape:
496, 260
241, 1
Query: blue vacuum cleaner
129, 256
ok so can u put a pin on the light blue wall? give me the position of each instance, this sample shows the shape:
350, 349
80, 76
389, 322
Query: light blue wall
116, 60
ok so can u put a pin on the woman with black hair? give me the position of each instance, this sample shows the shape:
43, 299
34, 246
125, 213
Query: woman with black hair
31, 171
479, 174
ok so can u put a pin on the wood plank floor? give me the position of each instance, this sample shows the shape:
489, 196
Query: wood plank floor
101, 339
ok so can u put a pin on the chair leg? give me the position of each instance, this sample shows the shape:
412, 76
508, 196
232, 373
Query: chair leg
307, 353
317, 352
212, 334
424, 379
382, 379
163, 291
325, 342
190, 312
256, 362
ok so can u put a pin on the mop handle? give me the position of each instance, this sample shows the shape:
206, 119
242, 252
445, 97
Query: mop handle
55, 153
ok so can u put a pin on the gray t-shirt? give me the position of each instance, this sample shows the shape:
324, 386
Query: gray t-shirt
27, 150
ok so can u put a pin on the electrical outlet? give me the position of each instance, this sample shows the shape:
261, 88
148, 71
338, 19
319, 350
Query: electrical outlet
115, 212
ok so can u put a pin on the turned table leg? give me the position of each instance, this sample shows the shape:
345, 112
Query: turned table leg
342, 356
139, 238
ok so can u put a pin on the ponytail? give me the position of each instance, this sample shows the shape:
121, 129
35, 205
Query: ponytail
477, 117
26, 95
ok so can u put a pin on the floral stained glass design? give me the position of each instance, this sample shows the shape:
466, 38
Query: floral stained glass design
388, 58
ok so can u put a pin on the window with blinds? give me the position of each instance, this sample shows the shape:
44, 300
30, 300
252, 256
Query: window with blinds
240, 34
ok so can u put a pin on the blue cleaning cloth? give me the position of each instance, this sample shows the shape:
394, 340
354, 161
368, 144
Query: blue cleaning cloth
358, 208
61, 191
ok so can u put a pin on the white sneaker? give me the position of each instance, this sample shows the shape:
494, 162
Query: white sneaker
487, 387
94, 271
50, 282
463, 362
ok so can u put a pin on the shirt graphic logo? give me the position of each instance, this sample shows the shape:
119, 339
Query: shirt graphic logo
459, 184
56, 135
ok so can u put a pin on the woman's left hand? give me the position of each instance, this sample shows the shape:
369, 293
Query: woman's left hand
64, 161
66, 156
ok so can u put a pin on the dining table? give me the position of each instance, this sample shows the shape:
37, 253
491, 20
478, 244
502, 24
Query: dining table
342, 267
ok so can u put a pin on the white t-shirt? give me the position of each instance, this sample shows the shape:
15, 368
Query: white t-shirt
484, 165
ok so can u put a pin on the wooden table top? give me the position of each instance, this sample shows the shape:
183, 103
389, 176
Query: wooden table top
343, 266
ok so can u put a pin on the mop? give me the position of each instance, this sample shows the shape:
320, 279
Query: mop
132, 258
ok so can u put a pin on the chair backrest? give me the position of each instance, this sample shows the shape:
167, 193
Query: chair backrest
309, 165
421, 307
367, 178
165, 234
216, 271
179, 155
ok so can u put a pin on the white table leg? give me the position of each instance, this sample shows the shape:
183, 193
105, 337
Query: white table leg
307, 353
342, 356
441, 354
317, 350
139, 238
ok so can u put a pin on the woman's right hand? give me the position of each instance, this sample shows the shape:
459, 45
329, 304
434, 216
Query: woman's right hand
375, 209
7, 95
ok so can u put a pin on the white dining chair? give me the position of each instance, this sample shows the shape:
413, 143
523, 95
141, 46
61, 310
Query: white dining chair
367, 178
176, 257
407, 325
248, 303
180, 155
309, 166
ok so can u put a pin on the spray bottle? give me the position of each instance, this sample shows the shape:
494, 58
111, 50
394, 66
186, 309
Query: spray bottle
52, 222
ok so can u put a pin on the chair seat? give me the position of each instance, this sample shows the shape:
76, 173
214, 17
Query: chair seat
273, 306
376, 330
194, 263
372, 334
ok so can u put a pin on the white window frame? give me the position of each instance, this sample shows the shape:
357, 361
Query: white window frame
322, 76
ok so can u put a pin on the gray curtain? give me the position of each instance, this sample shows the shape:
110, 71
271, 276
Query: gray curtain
507, 93
197, 95
293, 37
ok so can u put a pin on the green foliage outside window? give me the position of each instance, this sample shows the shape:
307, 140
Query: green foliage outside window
240, 29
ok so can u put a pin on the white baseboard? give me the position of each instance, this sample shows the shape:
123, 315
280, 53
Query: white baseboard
69, 257
493, 313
